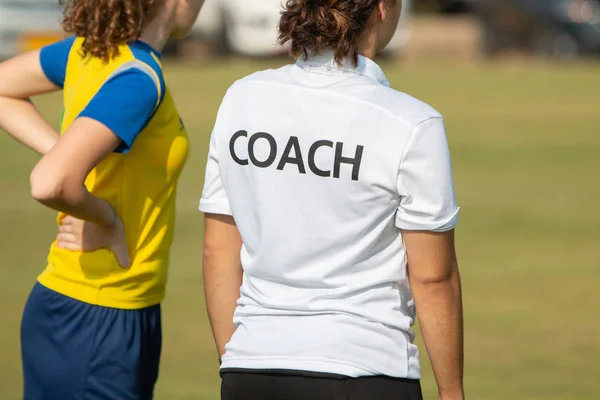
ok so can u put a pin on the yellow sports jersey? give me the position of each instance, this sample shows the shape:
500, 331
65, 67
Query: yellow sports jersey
128, 95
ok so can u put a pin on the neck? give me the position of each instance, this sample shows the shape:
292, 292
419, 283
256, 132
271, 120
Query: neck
370, 54
368, 46
157, 32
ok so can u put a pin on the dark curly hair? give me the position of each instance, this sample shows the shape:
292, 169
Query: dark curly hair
311, 26
106, 24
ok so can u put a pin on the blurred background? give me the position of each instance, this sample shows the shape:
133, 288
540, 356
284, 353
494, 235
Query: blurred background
518, 82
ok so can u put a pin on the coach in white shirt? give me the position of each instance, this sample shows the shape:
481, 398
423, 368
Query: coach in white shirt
329, 207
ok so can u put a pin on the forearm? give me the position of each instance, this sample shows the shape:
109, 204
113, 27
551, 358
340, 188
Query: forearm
75, 201
222, 290
21, 120
439, 309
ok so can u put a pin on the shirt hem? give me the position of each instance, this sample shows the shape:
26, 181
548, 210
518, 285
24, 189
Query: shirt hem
211, 207
318, 365
444, 225
94, 296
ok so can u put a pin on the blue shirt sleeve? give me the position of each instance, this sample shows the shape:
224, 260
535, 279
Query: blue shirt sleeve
54, 59
125, 104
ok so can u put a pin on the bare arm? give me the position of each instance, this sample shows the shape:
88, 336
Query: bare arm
21, 78
222, 275
436, 288
58, 180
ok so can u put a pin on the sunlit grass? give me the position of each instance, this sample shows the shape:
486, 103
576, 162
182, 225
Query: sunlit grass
526, 148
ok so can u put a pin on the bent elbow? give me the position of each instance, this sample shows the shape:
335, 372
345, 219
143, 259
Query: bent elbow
449, 275
208, 256
46, 188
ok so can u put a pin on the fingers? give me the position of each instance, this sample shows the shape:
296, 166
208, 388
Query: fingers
66, 237
68, 242
73, 235
70, 225
122, 256
67, 220
68, 246
119, 245
66, 228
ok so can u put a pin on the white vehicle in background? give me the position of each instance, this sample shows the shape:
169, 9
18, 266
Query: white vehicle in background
246, 27
28, 24
250, 27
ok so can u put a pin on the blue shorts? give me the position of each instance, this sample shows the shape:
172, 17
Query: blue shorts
77, 351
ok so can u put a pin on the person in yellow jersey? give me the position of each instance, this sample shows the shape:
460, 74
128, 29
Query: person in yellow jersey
91, 328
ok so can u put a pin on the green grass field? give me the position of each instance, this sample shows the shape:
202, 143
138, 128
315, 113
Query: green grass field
525, 140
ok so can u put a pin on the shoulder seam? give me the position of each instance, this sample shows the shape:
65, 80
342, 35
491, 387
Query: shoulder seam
411, 138
147, 70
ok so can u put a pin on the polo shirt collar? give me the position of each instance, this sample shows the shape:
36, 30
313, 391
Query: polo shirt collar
324, 63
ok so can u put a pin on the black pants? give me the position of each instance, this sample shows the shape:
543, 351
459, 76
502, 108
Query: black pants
248, 385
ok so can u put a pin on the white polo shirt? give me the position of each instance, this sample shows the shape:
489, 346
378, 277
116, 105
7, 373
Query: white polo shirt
321, 167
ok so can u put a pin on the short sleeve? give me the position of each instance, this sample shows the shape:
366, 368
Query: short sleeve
125, 104
425, 184
214, 196
54, 59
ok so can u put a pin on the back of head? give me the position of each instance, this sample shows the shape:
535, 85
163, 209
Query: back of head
106, 24
312, 26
